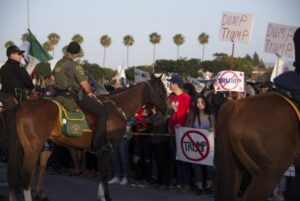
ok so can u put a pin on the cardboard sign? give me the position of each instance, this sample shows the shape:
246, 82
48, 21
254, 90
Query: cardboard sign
230, 81
236, 27
140, 75
279, 40
195, 145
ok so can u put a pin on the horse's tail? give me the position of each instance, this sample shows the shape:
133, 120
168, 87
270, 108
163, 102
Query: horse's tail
15, 160
227, 168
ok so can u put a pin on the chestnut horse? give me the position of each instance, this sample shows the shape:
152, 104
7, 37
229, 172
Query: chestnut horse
37, 121
257, 139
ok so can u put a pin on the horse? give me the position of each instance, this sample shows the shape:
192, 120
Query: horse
257, 139
37, 121
7, 103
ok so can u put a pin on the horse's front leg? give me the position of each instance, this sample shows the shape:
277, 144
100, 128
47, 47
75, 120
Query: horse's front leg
104, 163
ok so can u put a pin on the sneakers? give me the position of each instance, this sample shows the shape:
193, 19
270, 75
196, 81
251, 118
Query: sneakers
124, 181
114, 180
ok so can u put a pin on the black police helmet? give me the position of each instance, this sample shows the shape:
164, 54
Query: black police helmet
73, 48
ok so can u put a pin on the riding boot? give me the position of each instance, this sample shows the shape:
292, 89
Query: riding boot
100, 143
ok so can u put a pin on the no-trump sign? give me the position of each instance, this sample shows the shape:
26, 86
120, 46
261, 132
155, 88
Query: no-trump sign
236, 27
230, 81
279, 40
195, 145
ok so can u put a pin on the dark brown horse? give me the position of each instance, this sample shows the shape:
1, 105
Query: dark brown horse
37, 121
257, 139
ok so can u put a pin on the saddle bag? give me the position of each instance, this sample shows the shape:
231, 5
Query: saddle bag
73, 123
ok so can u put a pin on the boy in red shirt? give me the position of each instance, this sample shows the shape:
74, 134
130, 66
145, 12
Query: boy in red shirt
181, 104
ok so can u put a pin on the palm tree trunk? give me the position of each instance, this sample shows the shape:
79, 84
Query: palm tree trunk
177, 52
154, 46
53, 52
127, 56
202, 53
104, 55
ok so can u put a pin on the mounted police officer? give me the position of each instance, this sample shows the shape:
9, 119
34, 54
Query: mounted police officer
14, 79
70, 78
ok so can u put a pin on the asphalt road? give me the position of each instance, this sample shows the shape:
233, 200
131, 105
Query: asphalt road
75, 188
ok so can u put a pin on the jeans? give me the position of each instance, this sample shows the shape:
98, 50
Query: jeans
120, 157
281, 186
202, 172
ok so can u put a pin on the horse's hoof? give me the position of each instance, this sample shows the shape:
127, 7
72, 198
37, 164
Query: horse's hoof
41, 197
45, 199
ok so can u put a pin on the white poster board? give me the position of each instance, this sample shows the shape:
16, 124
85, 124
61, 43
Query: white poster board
195, 145
279, 40
236, 27
140, 75
228, 80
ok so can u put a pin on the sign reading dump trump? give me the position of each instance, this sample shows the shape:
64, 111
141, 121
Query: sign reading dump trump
236, 27
195, 145
279, 40
229, 80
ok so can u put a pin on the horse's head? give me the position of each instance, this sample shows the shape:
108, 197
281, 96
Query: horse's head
158, 93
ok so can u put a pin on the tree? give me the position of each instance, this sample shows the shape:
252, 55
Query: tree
24, 37
154, 39
53, 40
77, 38
203, 40
128, 41
47, 46
178, 40
64, 50
8, 43
105, 41
255, 61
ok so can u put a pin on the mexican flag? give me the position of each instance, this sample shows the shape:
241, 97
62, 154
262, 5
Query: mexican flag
34, 53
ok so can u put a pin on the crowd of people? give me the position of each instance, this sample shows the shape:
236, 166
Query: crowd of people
146, 154
147, 157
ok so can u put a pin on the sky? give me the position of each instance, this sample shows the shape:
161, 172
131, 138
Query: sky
139, 18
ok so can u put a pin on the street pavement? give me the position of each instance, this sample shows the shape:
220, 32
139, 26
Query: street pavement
75, 188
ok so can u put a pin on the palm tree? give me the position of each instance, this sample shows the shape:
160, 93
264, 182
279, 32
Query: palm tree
128, 41
64, 50
8, 43
77, 38
178, 40
53, 40
47, 46
105, 41
154, 39
24, 37
203, 39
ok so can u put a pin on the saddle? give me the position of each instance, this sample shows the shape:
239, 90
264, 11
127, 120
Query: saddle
74, 122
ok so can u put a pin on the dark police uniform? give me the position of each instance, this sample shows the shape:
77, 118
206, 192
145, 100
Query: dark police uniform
68, 74
13, 77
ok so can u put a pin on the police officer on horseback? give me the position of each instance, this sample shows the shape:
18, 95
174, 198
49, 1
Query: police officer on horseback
14, 79
70, 78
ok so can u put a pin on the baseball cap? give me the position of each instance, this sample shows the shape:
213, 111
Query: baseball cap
176, 79
73, 47
13, 49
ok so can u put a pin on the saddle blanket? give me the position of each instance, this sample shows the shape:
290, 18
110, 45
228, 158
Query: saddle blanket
73, 123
